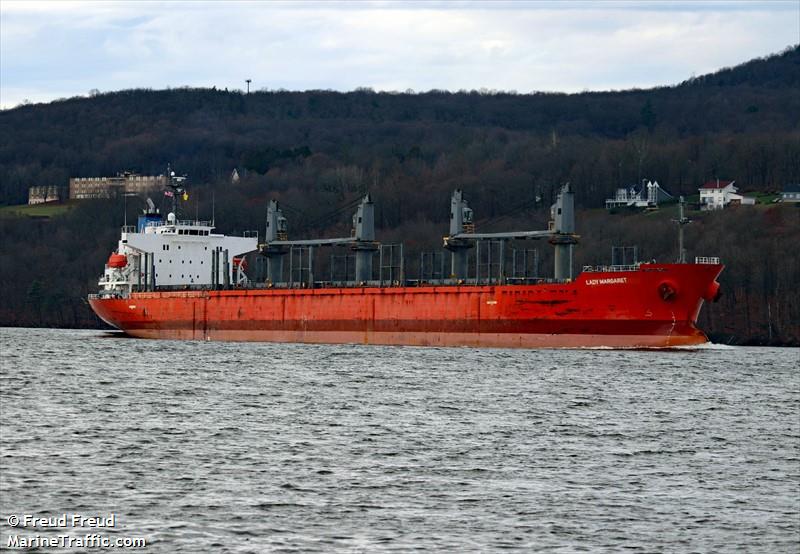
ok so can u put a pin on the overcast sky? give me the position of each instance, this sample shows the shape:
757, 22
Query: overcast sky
52, 50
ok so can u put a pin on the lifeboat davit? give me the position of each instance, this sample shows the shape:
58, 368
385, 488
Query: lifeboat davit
117, 260
237, 261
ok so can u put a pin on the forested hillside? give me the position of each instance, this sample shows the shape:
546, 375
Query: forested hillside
319, 150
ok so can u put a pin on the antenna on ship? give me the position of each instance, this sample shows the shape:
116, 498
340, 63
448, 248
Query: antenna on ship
681, 221
176, 184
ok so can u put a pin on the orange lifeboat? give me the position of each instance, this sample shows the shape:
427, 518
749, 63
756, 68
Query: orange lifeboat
117, 260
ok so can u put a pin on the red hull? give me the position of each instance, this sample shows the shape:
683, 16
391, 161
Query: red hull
619, 310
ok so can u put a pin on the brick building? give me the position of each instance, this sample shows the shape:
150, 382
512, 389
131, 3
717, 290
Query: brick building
81, 188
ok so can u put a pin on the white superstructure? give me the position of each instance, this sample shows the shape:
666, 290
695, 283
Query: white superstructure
173, 253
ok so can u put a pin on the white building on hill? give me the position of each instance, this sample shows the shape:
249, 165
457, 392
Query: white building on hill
647, 196
43, 195
715, 195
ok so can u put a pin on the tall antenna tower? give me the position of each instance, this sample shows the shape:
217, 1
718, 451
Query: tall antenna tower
248, 81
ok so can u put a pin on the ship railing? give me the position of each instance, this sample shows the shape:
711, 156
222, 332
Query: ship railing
182, 222
129, 228
610, 268
526, 280
106, 294
322, 285
707, 260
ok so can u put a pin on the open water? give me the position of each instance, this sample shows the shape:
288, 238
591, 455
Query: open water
231, 447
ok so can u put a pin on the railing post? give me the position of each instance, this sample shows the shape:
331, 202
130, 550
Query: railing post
214, 271
226, 269
402, 277
502, 261
153, 271
146, 269
477, 262
311, 267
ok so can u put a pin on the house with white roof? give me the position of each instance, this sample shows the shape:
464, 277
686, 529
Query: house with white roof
715, 195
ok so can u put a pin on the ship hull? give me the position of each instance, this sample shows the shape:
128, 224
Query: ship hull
654, 307
476, 340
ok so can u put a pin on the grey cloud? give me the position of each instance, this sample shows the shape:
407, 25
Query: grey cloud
46, 53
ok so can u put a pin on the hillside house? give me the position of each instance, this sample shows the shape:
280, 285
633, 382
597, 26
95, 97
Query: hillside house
791, 193
45, 194
715, 195
649, 195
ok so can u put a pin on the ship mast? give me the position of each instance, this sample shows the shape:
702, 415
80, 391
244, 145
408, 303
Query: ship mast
681, 221
176, 184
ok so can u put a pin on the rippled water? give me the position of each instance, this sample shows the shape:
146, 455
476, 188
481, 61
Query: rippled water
270, 447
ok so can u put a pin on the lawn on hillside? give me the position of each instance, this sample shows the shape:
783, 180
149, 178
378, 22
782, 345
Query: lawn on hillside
36, 210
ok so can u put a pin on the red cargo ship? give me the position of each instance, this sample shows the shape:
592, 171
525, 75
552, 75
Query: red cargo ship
201, 295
